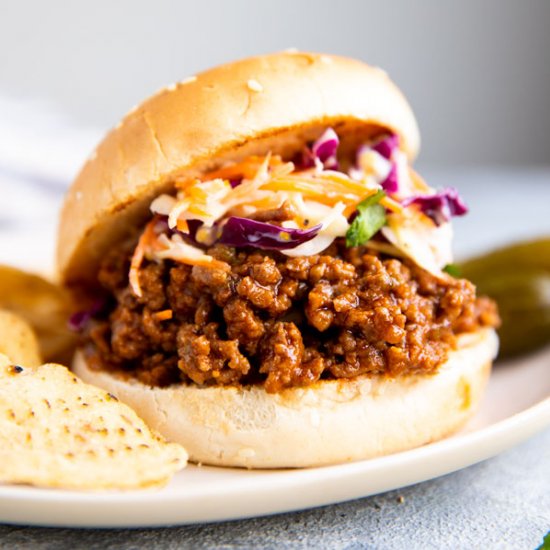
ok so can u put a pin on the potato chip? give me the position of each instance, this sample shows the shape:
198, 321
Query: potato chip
17, 340
44, 305
57, 431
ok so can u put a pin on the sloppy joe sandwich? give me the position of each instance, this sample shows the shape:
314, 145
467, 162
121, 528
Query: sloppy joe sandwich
260, 273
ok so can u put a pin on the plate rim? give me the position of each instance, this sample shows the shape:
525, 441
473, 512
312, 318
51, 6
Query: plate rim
459, 451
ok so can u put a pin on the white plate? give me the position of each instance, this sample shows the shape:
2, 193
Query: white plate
516, 406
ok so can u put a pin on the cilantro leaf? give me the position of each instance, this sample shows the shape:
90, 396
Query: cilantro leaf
370, 218
453, 270
545, 543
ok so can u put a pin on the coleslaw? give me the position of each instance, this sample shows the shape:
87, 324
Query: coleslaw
324, 199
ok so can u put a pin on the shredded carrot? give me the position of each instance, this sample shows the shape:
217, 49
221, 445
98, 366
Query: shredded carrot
334, 180
197, 210
184, 183
321, 194
163, 315
391, 204
329, 194
329, 182
345, 181
137, 259
247, 168
146, 240
182, 226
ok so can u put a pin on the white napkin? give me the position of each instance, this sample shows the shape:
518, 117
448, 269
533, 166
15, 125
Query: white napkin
40, 152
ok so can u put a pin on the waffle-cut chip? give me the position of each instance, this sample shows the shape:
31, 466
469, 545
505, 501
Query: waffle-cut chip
57, 431
18, 340
44, 305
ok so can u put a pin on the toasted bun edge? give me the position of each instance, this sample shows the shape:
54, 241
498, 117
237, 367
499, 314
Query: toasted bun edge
331, 422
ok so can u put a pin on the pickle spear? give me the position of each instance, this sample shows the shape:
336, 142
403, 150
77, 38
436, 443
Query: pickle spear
518, 278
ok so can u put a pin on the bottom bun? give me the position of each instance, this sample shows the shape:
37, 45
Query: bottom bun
329, 422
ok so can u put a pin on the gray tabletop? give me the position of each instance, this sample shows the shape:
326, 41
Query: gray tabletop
500, 503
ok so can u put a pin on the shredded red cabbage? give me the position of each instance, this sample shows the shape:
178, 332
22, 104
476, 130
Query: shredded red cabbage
240, 232
323, 150
441, 206
78, 320
391, 183
387, 146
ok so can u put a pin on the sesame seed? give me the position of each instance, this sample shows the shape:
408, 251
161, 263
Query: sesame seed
189, 79
254, 85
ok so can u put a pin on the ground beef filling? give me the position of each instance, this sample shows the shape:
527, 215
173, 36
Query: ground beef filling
279, 321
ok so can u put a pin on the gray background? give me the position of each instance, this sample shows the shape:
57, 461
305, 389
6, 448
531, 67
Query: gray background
477, 72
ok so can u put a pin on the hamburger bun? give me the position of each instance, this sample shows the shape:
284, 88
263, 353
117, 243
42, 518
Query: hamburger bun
350, 420
270, 103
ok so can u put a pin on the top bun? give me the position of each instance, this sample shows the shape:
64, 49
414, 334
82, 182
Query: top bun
269, 103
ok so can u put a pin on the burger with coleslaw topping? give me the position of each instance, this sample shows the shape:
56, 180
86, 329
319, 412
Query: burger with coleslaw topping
261, 274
